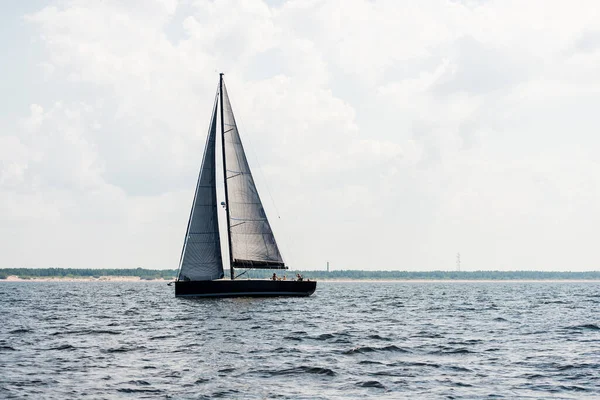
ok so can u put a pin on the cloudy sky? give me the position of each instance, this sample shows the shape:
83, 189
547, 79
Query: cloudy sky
383, 134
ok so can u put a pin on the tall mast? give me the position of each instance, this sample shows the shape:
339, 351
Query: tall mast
225, 177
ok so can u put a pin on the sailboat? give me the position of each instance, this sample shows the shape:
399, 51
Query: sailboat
251, 241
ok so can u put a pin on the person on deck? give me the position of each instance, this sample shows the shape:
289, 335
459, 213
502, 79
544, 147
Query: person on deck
299, 277
274, 276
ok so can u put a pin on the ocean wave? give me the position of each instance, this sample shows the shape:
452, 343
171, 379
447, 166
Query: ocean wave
123, 349
300, 370
19, 331
372, 349
371, 384
584, 327
319, 347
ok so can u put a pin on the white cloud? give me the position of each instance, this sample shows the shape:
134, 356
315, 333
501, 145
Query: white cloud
391, 134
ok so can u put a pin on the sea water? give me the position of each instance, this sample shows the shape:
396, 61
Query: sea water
392, 340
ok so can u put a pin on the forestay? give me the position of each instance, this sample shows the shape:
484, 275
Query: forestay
252, 240
201, 256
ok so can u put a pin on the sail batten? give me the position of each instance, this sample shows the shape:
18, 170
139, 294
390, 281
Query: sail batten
201, 256
253, 244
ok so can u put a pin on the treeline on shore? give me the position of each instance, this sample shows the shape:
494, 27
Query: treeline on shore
148, 274
452, 275
143, 273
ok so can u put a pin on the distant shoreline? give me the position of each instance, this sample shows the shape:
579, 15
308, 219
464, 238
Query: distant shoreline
339, 275
460, 280
15, 278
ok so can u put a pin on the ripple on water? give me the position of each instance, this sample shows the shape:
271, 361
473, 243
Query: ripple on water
137, 390
349, 340
299, 370
584, 327
374, 349
371, 384
123, 349
20, 331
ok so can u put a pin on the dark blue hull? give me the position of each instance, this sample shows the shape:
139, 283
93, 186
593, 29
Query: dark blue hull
244, 288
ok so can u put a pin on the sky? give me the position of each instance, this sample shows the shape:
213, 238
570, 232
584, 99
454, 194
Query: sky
382, 134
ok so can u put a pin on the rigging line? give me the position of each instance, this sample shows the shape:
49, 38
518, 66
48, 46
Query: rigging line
260, 169
233, 176
241, 274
